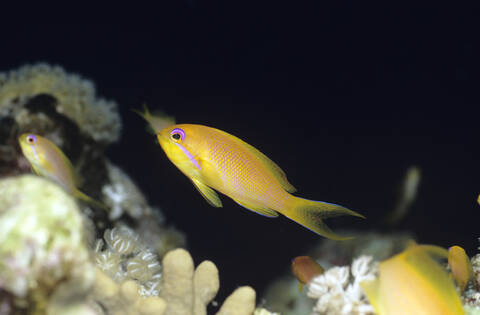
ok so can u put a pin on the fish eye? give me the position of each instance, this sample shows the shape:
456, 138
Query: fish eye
31, 139
177, 134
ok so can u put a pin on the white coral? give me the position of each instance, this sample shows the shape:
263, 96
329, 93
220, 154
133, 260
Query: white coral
126, 258
338, 290
123, 196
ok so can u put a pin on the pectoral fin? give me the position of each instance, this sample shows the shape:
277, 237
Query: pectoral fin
78, 194
260, 210
208, 193
300, 287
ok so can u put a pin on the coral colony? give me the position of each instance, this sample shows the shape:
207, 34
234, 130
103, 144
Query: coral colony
59, 255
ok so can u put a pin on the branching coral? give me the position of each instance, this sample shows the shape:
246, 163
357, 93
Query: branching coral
184, 290
188, 291
338, 290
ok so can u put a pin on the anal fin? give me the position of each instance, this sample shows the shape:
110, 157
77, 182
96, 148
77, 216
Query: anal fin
260, 210
208, 193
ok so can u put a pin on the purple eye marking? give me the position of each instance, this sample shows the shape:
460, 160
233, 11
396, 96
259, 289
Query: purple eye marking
31, 139
177, 134
189, 155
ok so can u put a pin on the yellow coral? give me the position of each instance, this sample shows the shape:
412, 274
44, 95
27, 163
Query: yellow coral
43, 250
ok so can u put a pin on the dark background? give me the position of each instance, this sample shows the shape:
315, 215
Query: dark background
343, 98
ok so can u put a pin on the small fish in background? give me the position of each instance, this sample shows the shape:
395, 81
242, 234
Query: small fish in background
461, 266
47, 160
407, 195
304, 268
213, 159
412, 282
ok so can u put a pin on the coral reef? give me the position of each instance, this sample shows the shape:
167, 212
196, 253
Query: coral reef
125, 200
45, 100
47, 237
123, 196
471, 296
188, 291
126, 258
338, 290
74, 97
46, 266
110, 297
282, 295
43, 251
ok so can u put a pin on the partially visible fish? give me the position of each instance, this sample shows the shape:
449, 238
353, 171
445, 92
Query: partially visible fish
213, 159
304, 268
460, 265
412, 282
407, 194
47, 160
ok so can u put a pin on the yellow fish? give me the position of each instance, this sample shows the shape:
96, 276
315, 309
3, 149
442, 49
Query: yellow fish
47, 160
304, 268
412, 282
460, 265
213, 159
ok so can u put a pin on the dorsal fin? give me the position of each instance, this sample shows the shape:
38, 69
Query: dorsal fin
271, 166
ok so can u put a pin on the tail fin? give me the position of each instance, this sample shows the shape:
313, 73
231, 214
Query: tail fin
97, 204
311, 213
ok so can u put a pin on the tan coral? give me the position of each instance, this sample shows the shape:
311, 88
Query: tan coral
177, 282
124, 299
188, 291
240, 302
205, 286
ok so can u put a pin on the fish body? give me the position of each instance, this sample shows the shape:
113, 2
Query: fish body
412, 282
407, 195
215, 160
304, 268
460, 265
47, 160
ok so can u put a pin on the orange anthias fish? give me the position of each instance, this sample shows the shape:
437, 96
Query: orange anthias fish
460, 265
412, 282
47, 160
304, 268
213, 159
